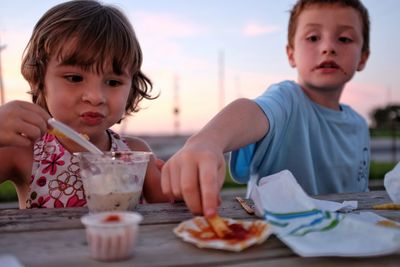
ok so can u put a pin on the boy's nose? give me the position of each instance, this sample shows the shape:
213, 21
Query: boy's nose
94, 95
328, 47
329, 52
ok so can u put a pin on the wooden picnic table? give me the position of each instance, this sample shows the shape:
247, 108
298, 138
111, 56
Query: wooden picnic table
56, 237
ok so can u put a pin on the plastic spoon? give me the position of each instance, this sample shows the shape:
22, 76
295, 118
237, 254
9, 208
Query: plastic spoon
74, 136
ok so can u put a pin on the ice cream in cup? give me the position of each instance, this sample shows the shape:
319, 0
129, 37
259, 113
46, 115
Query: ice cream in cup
112, 235
114, 180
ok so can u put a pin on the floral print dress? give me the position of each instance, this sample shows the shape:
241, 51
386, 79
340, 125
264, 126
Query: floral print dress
55, 181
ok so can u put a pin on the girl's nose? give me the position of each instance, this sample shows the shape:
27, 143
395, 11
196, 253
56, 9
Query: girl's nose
94, 95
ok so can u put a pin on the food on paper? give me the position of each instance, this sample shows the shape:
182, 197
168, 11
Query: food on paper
245, 206
242, 234
388, 223
219, 226
111, 236
387, 206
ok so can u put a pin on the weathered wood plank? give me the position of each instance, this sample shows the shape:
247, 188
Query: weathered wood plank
157, 246
55, 237
13, 220
365, 199
69, 218
386, 261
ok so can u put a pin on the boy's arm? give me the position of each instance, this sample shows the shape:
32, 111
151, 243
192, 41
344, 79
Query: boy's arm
196, 172
21, 123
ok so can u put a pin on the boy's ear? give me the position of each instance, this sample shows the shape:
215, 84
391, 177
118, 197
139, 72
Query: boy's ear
363, 60
290, 55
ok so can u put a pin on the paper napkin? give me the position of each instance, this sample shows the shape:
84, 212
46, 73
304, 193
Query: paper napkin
312, 227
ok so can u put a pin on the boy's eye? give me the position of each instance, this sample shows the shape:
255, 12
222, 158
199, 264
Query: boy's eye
345, 40
312, 38
74, 78
113, 83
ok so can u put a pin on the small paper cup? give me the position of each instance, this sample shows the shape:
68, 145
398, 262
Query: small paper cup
112, 235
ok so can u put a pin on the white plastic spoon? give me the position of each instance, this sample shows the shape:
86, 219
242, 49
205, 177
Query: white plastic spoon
74, 136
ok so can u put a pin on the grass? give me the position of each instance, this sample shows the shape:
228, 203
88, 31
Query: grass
7, 192
377, 171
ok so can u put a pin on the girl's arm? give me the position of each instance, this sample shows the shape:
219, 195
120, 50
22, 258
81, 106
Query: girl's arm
152, 183
16, 166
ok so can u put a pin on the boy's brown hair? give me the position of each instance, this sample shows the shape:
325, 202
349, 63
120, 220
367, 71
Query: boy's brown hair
101, 35
356, 4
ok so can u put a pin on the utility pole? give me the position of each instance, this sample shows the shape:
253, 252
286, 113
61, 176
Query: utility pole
2, 94
221, 78
176, 107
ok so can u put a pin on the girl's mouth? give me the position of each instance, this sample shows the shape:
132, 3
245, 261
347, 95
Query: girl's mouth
92, 118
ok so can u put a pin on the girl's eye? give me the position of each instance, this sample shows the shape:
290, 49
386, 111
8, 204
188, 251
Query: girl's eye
113, 83
345, 40
312, 38
74, 78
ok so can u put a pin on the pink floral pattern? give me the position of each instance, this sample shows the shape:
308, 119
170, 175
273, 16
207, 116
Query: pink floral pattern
56, 180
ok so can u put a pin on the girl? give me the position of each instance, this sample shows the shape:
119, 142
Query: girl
83, 66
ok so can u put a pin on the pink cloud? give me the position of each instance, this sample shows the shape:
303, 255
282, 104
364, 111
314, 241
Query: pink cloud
165, 25
254, 29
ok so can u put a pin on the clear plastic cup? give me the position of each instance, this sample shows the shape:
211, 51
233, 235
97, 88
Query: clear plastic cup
113, 181
112, 236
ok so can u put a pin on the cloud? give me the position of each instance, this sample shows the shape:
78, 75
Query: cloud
254, 29
165, 25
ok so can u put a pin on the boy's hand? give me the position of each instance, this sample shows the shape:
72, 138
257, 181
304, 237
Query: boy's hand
195, 174
21, 123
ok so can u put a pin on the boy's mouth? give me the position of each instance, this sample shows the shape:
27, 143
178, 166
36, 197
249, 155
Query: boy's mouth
328, 65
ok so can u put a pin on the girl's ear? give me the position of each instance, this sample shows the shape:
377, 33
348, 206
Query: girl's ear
290, 55
363, 60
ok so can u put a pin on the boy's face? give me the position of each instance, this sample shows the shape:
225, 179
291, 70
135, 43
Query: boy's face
87, 101
327, 47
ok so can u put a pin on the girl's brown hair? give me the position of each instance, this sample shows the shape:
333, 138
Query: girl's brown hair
101, 36
356, 4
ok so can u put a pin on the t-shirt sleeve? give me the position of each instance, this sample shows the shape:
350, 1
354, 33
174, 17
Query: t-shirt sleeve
276, 105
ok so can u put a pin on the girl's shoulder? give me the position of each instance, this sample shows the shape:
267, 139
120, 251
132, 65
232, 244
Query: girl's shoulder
135, 143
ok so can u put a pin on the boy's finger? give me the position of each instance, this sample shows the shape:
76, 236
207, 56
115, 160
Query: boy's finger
191, 189
166, 182
209, 187
175, 181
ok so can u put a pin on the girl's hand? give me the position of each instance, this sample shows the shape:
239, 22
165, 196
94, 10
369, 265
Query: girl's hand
22, 123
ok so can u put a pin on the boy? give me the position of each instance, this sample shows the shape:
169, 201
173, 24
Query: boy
299, 126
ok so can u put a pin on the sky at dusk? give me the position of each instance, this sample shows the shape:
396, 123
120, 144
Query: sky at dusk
185, 43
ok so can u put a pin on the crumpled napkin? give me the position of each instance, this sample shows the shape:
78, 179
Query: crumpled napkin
392, 183
312, 228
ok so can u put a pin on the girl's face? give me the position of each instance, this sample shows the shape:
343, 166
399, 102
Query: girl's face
327, 47
88, 102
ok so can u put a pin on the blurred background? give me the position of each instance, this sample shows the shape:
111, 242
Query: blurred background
201, 55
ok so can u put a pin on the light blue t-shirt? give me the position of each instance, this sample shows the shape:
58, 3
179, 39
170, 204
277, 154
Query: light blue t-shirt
328, 151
